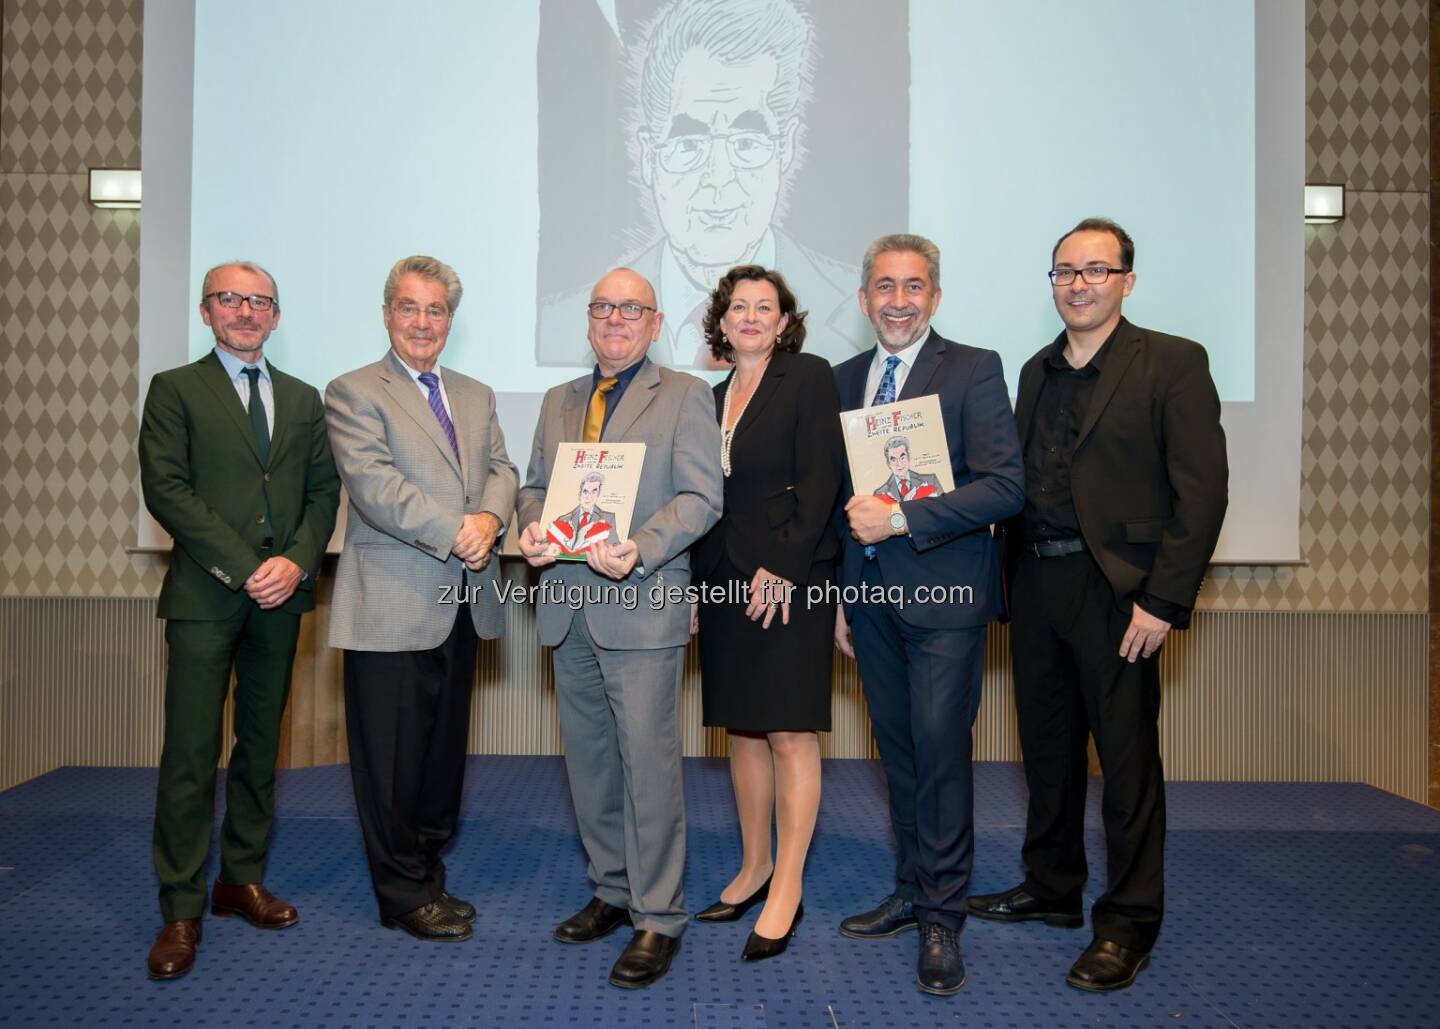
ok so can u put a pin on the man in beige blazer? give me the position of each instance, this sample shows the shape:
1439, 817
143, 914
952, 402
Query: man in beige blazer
423, 460
618, 657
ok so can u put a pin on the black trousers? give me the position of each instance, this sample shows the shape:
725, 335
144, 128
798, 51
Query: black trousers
407, 719
923, 690
1070, 683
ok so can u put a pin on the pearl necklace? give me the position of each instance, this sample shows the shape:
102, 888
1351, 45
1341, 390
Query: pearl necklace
726, 435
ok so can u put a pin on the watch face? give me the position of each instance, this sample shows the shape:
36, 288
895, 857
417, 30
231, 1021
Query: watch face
897, 520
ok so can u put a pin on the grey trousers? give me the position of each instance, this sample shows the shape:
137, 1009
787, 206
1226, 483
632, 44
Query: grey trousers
620, 721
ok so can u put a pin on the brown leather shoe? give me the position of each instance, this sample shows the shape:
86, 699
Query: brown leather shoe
173, 953
254, 903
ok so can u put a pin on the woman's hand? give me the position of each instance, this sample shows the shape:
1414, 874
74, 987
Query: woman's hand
768, 592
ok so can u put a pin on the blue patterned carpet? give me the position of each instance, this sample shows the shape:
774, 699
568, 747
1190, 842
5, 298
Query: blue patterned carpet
1288, 905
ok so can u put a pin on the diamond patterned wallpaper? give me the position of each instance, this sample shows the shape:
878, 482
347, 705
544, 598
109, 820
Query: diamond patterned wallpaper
1367, 117
1365, 444
70, 92
70, 99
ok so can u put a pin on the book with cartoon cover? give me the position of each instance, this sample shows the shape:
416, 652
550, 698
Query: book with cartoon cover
590, 498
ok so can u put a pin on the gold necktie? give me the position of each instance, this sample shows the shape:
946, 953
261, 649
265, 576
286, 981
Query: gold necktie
595, 413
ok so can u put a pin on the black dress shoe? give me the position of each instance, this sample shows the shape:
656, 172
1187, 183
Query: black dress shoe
892, 916
940, 969
433, 922
1106, 965
1017, 905
758, 948
591, 922
723, 912
645, 959
460, 908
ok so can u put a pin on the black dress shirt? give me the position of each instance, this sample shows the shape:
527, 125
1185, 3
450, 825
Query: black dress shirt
612, 399
1059, 412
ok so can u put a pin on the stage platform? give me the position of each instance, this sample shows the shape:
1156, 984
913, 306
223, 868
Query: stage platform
1307, 905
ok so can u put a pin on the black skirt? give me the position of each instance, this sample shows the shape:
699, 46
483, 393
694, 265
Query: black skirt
768, 680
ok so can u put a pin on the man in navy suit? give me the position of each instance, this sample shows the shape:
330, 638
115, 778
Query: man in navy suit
921, 662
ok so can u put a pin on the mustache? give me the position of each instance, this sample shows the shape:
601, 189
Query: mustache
908, 311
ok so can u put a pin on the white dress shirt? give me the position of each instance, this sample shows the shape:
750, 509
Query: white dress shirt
902, 370
424, 389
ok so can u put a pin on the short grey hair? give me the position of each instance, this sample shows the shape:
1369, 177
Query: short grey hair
734, 32
902, 242
895, 443
592, 477
244, 266
427, 268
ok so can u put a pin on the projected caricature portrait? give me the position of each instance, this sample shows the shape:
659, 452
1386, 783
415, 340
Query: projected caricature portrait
904, 484
716, 110
585, 525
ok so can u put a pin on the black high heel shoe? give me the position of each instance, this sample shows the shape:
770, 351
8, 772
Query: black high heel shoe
723, 912
758, 948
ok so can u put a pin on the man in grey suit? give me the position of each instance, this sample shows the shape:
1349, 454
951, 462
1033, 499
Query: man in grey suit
422, 457
618, 661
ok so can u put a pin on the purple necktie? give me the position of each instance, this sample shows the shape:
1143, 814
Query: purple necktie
431, 381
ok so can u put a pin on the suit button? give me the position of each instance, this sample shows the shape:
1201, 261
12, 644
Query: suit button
259, 519
267, 476
467, 498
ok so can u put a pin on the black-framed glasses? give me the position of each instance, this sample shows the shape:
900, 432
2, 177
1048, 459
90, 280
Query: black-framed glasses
257, 301
601, 309
1091, 273
680, 155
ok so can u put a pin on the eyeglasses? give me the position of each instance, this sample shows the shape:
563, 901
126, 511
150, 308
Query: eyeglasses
600, 310
1091, 273
408, 309
257, 301
747, 150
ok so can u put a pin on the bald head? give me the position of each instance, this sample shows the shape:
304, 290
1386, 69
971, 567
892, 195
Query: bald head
624, 281
620, 342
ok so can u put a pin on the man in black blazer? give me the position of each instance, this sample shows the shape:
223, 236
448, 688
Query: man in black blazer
921, 661
1125, 474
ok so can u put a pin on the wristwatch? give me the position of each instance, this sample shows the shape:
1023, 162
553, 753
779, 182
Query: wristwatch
898, 525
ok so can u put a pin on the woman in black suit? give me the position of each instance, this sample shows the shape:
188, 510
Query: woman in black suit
766, 660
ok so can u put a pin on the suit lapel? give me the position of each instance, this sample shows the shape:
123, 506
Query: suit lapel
572, 412
636, 399
769, 384
462, 409
212, 373
406, 393
1122, 352
852, 382
932, 355
285, 413
1032, 377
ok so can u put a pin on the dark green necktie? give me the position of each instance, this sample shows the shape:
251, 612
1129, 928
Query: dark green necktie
258, 421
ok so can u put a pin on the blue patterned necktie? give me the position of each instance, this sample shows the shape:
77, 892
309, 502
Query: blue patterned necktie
885, 393
431, 381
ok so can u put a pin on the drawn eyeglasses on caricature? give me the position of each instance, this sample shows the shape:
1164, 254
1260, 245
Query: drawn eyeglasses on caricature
747, 150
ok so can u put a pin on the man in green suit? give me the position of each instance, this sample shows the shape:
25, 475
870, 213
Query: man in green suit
235, 464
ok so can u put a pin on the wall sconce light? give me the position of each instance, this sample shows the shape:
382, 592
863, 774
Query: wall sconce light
1324, 203
115, 187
